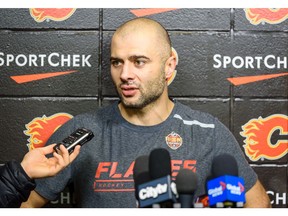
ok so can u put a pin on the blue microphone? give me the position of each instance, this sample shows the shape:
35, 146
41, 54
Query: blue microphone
226, 189
160, 191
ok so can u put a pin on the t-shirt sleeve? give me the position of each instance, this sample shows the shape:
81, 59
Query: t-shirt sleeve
226, 143
51, 187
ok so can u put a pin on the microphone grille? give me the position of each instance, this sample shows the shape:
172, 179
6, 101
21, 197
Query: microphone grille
224, 164
186, 181
141, 165
159, 163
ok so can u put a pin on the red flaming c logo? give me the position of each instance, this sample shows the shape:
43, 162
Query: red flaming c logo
266, 138
55, 14
40, 129
271, 16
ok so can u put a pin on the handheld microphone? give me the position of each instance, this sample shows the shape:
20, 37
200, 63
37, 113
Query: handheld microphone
160, 190
141, 173
186, 184
226, 189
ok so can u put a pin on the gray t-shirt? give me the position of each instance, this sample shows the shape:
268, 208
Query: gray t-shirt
102, 173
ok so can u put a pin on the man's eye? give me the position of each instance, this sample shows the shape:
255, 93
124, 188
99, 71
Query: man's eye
139, 62
115, 63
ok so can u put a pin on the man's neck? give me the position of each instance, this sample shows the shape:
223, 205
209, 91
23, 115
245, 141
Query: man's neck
150, 115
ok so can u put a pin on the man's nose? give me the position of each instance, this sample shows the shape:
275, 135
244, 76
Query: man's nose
127, 72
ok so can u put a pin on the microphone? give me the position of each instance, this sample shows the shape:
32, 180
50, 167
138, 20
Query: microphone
202, 201
226, 189
160, 191
186, 184
141, 173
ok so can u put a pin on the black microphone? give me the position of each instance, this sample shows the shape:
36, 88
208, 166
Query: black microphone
160, 191
186, 184
226, 189
224, 164
159, 163
141, 173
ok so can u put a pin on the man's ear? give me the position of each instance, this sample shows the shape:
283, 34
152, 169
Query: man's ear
171, 64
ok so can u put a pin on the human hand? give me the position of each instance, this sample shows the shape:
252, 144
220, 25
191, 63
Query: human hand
37, 165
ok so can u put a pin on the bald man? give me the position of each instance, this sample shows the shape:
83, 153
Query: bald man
143, 119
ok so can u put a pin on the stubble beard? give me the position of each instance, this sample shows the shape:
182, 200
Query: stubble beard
147, 97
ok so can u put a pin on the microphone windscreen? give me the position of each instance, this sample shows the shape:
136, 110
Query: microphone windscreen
224, 164
186, 181
159, 163
141, 164
141, 170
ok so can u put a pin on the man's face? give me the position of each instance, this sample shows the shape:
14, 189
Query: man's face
137, 69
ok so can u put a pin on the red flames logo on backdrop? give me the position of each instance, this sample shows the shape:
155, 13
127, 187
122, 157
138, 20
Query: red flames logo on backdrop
261, 15
40, 129
55, 14
266, 138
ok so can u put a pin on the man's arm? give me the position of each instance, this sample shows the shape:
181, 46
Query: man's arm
257, 197
34, 201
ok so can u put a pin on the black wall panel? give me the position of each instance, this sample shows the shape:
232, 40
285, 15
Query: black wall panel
178, 19
80, 18
263, 112
252, 42
30, 53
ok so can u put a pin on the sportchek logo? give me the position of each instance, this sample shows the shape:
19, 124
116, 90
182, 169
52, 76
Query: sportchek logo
251, 62
108, 178
150, 11
53, 60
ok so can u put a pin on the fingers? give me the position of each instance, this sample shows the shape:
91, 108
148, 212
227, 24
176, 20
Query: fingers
75, 153
47, 149
65, 154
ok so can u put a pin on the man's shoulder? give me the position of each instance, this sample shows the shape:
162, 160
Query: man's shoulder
189, 112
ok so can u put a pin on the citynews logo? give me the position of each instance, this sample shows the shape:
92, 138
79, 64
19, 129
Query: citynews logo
154, 192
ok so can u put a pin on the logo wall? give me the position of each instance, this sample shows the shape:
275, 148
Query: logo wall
41, 128
266, 15
55, 14
266, 138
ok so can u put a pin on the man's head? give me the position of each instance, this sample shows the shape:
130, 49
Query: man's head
141, 62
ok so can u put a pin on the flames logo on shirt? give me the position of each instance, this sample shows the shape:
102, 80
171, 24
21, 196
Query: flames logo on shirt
261, 15
266, 138
55, 14
40, 129
174, 140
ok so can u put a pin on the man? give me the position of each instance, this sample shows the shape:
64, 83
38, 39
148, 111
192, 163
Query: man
16, 179
143, 119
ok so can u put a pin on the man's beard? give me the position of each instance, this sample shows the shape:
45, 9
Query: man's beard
154, 92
